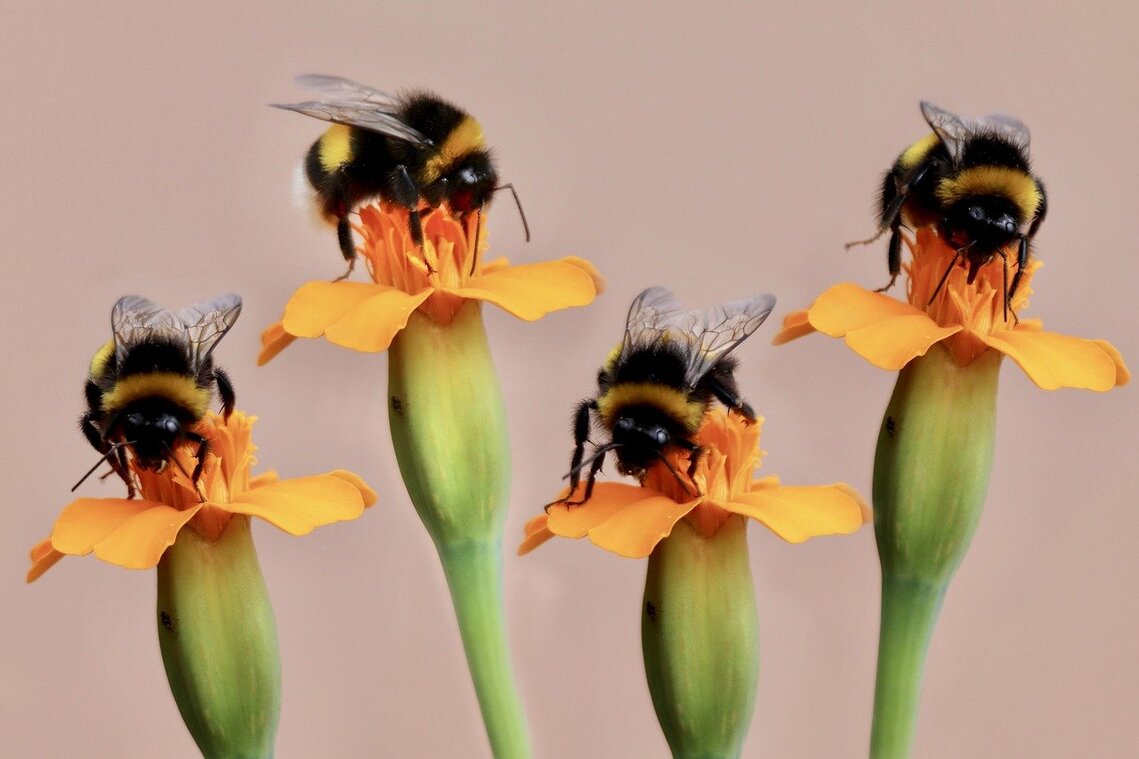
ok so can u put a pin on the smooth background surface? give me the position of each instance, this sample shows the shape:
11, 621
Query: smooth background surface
717, 151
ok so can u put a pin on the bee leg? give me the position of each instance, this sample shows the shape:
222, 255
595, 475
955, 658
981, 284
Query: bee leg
944, 277
91, 432
893, 254
593, 470
203, 450
225, 390
119, 464
580, 437
347, 245
724, 388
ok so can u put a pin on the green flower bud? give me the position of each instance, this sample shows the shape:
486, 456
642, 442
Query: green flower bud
219, 642
448, 427
700, 638
931, 473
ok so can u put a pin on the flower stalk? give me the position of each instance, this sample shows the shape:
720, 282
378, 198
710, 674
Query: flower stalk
700, 639
219, 642
448, 427
931, 474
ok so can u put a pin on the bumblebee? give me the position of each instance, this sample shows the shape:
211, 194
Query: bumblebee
657, 383
152, 381
972, 181
403, 149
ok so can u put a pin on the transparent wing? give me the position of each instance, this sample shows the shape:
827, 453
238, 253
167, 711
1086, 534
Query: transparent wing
1012, 129
370, 116
205, 324
714, 333
952, 129
339, 89
134, 319
648, 315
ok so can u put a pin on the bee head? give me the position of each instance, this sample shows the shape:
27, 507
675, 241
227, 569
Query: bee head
471, 182
639, 443
989, 222
154, 436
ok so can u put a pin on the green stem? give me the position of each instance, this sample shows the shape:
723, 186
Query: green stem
700, 639
909, 612
474, 574
219, 642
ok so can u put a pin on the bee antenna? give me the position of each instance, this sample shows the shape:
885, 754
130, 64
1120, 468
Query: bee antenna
601, 451
517, 202
105, 457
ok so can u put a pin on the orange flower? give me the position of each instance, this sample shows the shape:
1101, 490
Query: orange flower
630, 520
969, 319
134, 533
436, 281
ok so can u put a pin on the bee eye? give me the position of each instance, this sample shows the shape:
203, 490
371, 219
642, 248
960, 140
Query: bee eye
468, 176
661, 436
976, 212
624, 423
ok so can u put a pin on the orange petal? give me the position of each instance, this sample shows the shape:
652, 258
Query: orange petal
1052, 360
141, 540
263, 479
590, 269
795, 325
635, 530
886, 332
44, 558
299, 505
608, 498
497, 264
273, 340
87, 521
1122, 373
796, 513
357, 482
533, 290
372, 324
318, 305
536, 533
863, 506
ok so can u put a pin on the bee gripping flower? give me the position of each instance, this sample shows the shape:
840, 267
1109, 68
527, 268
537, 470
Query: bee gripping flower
435, 281
699, 627
215, 624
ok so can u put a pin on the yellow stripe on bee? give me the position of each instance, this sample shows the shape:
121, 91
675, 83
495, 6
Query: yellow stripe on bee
335, 147
669, 400
176, 387
914, 154
463, 139
101, 358
1006, 182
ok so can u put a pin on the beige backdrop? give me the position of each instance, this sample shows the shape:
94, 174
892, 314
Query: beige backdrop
720, 152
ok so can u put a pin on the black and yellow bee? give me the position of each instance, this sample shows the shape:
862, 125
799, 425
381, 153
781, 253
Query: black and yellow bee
152, 381
408, 149
972, 181
659, 381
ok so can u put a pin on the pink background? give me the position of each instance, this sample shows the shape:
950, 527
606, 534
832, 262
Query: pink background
717, 151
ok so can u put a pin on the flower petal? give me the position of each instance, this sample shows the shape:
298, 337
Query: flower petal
87, 521
318, 305
608, 498
44, 558
299, 505
886, 332
531, 291
536, 533
795, 325
357, 482
796, 513
1122, 373
273, 340
263, 479
1052, 360
141, 540
635, 530
372, 324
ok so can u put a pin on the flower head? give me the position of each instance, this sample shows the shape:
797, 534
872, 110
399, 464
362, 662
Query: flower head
134, 533
630, 520
435, 281
968, 318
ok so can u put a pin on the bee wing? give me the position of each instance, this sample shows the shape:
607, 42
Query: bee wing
339, 89
1012, 129
365, 115
648, 315
950, 128
134, 319
715, 332
205, 324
